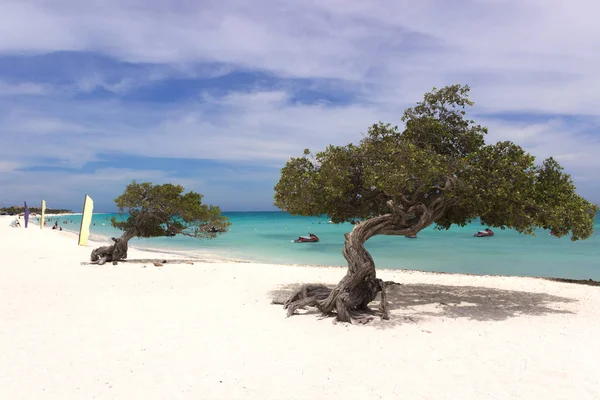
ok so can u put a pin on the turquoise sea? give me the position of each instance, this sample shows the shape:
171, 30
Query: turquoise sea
267, 237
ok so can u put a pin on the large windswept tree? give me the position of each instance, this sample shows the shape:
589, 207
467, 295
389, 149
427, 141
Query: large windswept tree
437, 170
160, 210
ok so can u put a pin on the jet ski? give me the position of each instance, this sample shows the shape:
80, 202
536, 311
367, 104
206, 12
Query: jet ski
307, 239
485, 233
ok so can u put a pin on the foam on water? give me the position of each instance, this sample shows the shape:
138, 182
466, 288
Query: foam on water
267, 237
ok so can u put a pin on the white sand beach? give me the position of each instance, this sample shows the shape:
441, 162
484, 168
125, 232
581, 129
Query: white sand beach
209, 331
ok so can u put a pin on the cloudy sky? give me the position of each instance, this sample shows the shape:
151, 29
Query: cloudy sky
217, 95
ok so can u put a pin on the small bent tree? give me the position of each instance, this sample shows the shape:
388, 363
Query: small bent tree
437, 170
160, 210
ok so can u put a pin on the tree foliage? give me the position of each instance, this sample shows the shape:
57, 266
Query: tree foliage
165, 210
437, 170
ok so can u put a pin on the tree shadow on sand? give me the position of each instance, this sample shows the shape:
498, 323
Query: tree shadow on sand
416, 302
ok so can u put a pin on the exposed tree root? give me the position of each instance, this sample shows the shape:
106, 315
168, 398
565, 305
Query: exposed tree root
307, 295
349, 306
350, 298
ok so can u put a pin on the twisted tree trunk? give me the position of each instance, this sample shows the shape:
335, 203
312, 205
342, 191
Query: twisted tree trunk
352, 295
360, 286
115, 252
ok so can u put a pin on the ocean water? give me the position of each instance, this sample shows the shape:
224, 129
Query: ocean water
268, 236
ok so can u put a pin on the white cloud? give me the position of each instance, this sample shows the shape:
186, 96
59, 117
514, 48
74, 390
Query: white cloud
45, 125
261, 129
8, 166
518, 55
254, 127
12, 89
569, 142
89, 83
62, 188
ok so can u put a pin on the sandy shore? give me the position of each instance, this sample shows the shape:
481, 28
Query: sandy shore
208, 331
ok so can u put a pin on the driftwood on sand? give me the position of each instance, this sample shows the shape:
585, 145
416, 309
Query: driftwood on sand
114, 253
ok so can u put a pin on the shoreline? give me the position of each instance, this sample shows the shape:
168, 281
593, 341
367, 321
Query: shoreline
513, 254
212, 257
94, 242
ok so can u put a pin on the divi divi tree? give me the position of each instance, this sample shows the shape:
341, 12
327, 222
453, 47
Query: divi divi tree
439, 171
160, 210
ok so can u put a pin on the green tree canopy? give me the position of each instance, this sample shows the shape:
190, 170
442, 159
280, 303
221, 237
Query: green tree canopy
437, 170
164, 210
160, 210
440, 163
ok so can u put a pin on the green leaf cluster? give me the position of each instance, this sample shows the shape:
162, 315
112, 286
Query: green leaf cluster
165, 210
438, 162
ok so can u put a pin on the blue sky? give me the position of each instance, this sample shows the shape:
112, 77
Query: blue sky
216, 95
